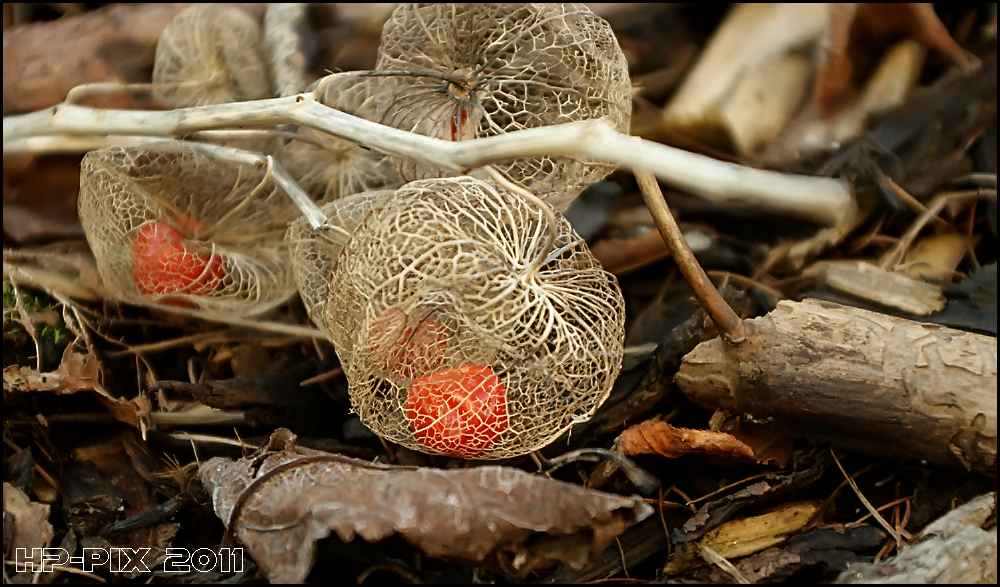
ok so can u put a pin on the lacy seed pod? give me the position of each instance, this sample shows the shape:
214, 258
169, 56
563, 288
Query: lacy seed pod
210, 54
461, 71
469, 324
169, 224
327, 167
314, 251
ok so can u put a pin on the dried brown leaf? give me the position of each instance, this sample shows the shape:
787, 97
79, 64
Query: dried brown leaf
43, 61
749, 535
669, 441
621, 255
770, 444
279, 502
76, 372
39, 197
31, 520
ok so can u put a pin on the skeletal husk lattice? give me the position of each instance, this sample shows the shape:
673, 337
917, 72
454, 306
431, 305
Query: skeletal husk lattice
462, 71
314, 251
327, 167
210, 54
441, 290
170, 224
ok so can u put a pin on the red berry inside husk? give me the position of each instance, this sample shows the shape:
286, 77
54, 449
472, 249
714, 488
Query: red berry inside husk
459, 412
405, 346
165, 263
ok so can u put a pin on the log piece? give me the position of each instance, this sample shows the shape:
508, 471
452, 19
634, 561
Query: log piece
858, 380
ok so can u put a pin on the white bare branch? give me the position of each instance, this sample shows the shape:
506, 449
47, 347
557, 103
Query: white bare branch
823, 200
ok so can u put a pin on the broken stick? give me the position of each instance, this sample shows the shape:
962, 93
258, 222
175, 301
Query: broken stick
859, 380
842, 376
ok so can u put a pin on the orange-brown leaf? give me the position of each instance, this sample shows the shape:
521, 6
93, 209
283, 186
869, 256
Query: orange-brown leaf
669, 441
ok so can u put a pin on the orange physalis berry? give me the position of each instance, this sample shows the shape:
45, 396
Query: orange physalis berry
459, 412
407, 346
164, 263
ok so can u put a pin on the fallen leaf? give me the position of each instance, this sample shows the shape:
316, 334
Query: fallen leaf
769, 489
77, 372
747, 536
770, 444
855, 31
669, 441
31, 520
820, 550
281, 501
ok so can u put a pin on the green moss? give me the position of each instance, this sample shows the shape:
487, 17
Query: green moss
18, 346
8, 295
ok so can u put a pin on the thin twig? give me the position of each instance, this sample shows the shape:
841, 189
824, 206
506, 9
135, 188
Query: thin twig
893, 257
748, 283
163, 345
894, 503
335, 372
726, 320
198, 418
731, 485
264, 326
717, 559
208, 439
828, 201
874, 512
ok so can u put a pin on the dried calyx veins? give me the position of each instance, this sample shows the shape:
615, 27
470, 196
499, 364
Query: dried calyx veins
465, 71
405, 347
169, 223
471, 322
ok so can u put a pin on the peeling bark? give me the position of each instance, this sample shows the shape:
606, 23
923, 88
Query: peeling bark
858, 380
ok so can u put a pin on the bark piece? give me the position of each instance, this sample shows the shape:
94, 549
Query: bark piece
279, 502
859, 380
871, 283
972, 303
89, 501
811, 132
763, 102
820, 548
960, 547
